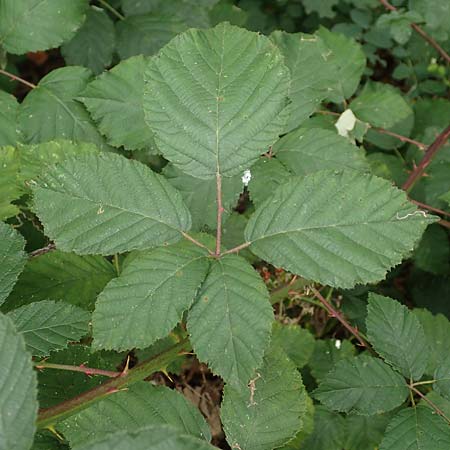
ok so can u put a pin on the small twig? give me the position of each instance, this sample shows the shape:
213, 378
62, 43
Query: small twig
335, 313
420, 383
430, 208
86, 370
421, 145
237, 249
444, 223
219, 213
432, 404
16, 78
421, 32
426, 160
111, 9
43, 250
197, 243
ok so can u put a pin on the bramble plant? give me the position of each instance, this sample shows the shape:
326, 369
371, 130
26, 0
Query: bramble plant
224, 225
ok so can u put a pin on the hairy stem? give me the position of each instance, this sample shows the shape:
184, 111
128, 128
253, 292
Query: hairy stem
421, 32
16, 78
426, 160
197, 243
49, 416
219, 214
86, 370
405, 139
114, 11
335, 313
237, 249
42, 251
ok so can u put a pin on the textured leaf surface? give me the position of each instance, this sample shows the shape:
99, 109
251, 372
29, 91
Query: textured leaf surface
115, 102
9, 134
207, 99
362, 385
416, 429
93, 45
297, 342
381, 105
365, 432
62, 276
231, 320
201, 198
442, 377
156, 437
10, 188
146, 34
149, 297
48, 326
12, 258
437, 335
338, 228
304, 151
346, 64
396, 334
51, 112
268, 412
104, 218
307, 59
32, 25
142, 404
18, 390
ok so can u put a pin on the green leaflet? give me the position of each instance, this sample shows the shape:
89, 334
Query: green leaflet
365, 432
48, 326
324, 8
93, 45
307, 59
416, 429
10, 188
268, 412
146, 34
114, 100
396, 334
304, 151
298, 343
231, 320
362, 385
442, 377
51, 112
9, 134
61, 276
12, 259
346, 63
18, 403
201, 198
223, 121
336, 227
105, 218
381, 105
142, 404
32, 25
158, 437
149, 297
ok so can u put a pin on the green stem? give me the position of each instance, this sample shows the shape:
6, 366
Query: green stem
420, 383
86, 370
49, 416
116, 263
111, 9
282, 292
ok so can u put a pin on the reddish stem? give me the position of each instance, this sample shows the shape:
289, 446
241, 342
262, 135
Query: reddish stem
81, 368
426, 160
430, 208
16, 78
238, 248
421, 145
432, 404
43, 250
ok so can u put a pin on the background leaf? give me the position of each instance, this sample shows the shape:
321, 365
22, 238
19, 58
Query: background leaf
9, 134
48, 326
146, 212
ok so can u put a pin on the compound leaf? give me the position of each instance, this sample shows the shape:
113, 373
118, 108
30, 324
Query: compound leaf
207, 95
140, 405
415, 429
149, 297
103, 218
48, 326
231, 320
336, 227
397, 335
12, 259
114, 100
362, 385
51, 112
267, 412
18, 389
32, 25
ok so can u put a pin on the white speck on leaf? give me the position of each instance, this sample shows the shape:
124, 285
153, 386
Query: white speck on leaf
246, 177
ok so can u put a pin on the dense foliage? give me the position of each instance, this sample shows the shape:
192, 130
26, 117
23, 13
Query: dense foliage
224, 224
